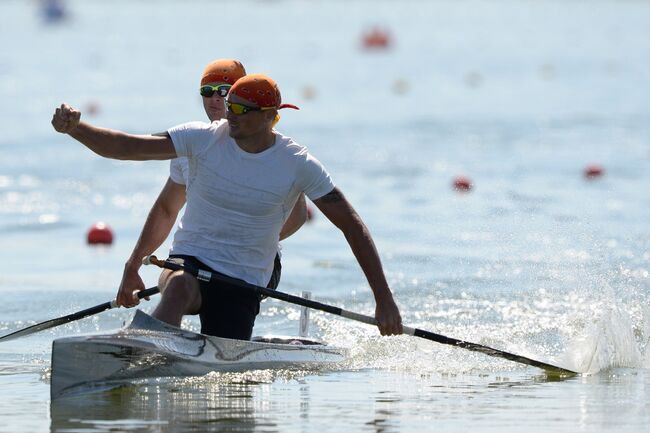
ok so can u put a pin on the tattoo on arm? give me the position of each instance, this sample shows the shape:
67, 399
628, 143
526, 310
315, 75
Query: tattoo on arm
332, 197
162, 134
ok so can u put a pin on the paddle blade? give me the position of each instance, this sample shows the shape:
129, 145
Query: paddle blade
74, 316
34, 328
57, 322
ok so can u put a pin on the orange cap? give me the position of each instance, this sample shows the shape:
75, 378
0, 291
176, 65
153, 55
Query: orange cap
260, 90
223, 71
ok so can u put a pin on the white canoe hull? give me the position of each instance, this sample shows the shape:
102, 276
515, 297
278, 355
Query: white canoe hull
150, 348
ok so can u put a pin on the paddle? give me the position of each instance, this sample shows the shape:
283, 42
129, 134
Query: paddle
72, 317
214, 278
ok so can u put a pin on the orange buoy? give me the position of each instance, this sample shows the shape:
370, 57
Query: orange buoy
376, 39
593, 171
100, 233
462, 184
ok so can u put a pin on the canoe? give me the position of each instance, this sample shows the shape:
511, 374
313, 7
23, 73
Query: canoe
149, 348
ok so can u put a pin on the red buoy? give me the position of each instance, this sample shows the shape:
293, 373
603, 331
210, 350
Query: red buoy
376, 39
310, 214
593, 171
100, 233
462, 184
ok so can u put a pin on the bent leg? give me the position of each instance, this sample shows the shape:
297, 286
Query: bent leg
180, 295
228, 311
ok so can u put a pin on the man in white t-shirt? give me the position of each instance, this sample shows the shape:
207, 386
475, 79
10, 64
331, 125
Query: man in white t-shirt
244, 179
216, 79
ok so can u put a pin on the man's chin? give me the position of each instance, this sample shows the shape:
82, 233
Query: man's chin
216, 115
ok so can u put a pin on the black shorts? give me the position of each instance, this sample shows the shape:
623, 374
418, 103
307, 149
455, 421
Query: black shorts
227, 310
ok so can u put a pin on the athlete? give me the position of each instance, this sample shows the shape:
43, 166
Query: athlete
217, 78
244, 179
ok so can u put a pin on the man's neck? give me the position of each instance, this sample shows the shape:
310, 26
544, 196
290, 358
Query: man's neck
257, 143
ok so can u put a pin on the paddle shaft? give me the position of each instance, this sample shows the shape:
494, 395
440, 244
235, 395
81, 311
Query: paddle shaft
214, 278
72, 317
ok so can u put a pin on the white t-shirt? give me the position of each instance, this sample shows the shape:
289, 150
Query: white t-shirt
179, 170
237, 201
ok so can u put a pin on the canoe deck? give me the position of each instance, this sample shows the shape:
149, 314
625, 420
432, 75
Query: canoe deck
148, 348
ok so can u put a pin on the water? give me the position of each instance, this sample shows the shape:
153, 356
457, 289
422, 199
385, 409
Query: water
535, 260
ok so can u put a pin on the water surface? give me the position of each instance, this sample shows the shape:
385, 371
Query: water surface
535, 260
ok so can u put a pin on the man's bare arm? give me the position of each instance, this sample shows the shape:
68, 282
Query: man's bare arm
111, 143
296, 219
341, 213
157, 227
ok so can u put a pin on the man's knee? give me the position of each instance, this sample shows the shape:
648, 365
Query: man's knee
181, 286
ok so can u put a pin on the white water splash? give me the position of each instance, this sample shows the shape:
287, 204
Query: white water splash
607, 341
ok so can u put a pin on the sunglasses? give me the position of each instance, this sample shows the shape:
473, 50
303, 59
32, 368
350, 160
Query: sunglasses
243, 109
207, 91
